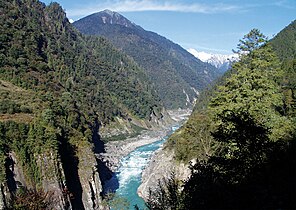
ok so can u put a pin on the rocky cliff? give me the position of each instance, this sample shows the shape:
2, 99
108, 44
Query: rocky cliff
161, 166
52, 181
57, 88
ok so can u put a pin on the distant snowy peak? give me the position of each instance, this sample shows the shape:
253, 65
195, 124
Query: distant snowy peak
218, 60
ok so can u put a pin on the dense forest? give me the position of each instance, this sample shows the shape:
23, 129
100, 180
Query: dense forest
177, 75
240, 139
57, 88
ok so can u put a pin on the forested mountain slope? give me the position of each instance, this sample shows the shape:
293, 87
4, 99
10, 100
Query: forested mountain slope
284, 43
57, 89
176, 73
241, 135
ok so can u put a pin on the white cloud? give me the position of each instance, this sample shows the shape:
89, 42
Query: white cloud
152, 5
284, 4
71, 20
207, 49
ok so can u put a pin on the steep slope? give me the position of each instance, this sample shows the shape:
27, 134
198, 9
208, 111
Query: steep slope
284, 43
58, 90
240, 137
177, 75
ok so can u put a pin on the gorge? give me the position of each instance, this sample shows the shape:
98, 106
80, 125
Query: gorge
90, 107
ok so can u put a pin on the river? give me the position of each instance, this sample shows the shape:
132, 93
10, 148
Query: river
128, 176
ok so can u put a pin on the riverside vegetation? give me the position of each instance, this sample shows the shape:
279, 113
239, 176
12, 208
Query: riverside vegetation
241, 134
57, 88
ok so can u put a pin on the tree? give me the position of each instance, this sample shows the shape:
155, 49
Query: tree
33, 199
250, 42
253, 89
167, 195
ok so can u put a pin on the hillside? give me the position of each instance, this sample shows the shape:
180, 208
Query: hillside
61, 92
284, 43
177, 75
240, 138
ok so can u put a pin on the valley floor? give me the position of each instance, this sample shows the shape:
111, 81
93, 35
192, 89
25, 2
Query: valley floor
116, 150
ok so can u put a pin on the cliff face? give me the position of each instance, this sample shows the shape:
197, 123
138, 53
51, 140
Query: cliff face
161, 166
89, 179
57, 87
80, 188
52, 180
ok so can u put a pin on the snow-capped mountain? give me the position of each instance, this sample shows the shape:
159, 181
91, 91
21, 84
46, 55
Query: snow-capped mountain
222, 62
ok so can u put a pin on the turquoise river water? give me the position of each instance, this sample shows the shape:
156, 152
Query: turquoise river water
129, 175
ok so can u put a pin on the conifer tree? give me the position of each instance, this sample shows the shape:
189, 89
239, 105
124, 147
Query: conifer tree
253, 89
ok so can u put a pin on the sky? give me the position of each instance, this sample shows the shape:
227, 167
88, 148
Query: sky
212, 26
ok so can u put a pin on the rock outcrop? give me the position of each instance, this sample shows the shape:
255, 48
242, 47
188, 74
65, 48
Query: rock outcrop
161, 166
126, 127
53, 179
89, 179
2, 197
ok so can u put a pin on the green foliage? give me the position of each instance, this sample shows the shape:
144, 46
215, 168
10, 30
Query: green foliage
251, 116
254, 90
42, 51
251, 41
32, 199
116, 202
167, 195
284, 43
172, 69
194, 139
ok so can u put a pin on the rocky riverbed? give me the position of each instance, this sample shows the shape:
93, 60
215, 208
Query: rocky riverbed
115, 150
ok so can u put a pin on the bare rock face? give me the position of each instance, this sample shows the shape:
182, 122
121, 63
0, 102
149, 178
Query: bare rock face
161, 166
53, 179
89, 179
2, 197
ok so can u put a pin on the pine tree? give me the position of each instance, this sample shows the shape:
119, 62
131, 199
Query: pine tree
253, 89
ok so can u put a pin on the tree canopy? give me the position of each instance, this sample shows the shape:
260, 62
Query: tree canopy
250, 136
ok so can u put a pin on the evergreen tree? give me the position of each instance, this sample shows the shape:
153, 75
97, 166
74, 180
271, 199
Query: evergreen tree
251, 41
254, 90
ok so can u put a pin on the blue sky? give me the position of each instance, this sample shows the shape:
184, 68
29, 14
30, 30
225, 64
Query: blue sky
206, 25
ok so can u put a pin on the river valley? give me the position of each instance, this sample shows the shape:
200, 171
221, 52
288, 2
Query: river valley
129, 164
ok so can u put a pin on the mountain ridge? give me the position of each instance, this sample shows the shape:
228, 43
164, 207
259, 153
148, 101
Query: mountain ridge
61, 94
178, 76
220, 61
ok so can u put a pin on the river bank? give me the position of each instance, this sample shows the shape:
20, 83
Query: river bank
116, 150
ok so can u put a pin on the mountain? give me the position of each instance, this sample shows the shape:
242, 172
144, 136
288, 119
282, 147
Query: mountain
220, 61
240, 139
177, 75
284, 43
61, 94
